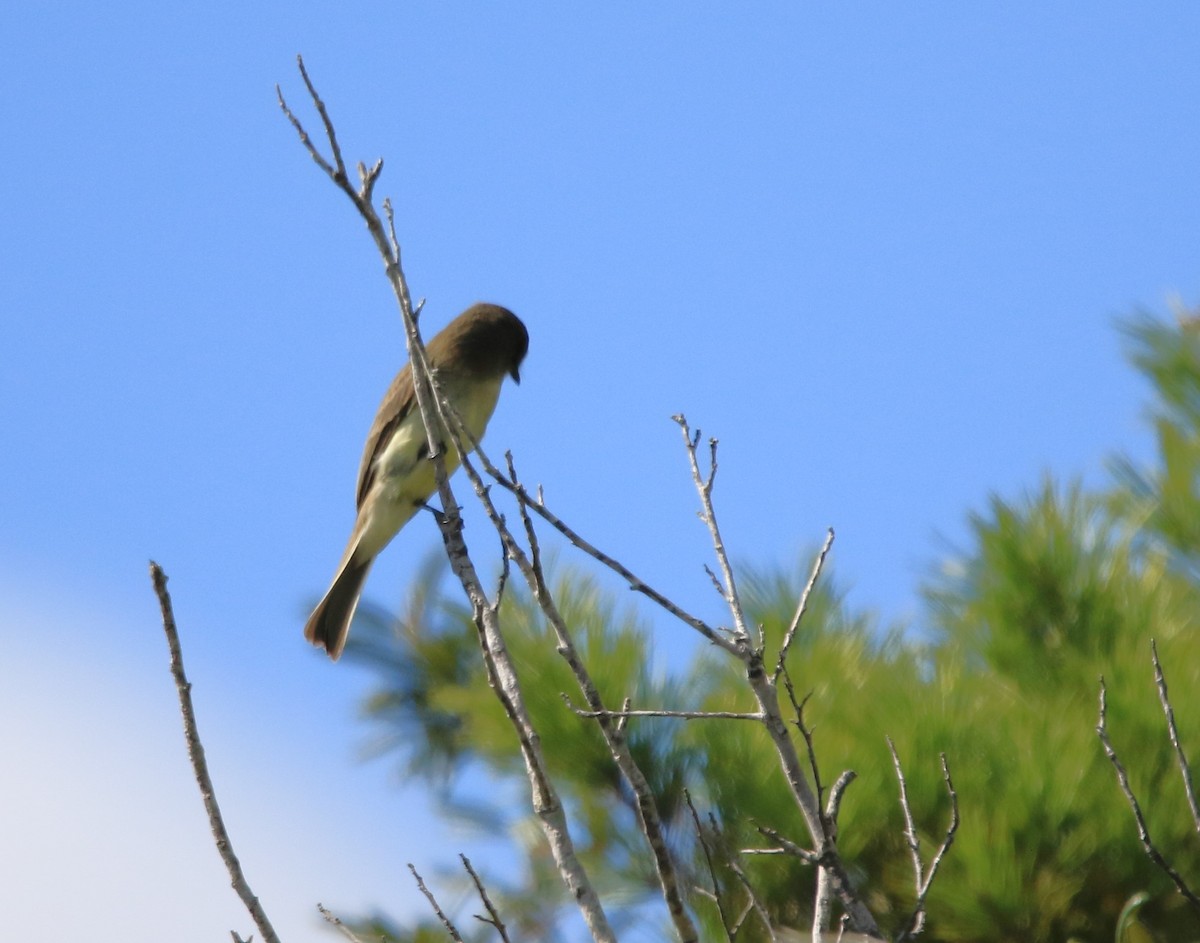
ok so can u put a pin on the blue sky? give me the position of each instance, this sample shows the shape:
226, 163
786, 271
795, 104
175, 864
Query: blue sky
877, 249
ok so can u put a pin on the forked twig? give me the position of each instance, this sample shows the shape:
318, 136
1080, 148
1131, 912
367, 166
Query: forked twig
704, 486
923, 877
754, 903
798, 710
1123, 781
715, 894
493, 918
766, 693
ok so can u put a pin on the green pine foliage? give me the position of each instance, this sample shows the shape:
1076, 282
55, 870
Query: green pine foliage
1054, 589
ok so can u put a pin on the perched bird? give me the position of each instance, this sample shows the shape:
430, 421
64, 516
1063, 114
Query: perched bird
470, 358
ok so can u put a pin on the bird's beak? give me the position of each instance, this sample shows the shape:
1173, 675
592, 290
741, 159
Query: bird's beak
516, 375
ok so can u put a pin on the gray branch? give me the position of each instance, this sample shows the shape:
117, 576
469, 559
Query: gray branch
195, 750
1160, 682
451, 929
802, 607
1123, 781
766, 693
500, 671
922, 878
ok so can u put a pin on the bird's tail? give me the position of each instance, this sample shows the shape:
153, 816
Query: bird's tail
329, 624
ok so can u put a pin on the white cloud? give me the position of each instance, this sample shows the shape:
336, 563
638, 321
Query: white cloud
102, 829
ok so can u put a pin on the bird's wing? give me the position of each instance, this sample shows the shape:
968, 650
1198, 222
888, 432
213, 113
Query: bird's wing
398, 402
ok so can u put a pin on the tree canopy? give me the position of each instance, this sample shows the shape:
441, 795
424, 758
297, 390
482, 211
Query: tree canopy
1053, 589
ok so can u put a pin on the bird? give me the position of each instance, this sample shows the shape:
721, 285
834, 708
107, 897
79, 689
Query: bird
470, 357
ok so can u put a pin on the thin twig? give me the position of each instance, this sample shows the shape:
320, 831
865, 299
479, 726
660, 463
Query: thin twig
767, 695
712, 871
320, 106
446, 922
493, 917
1160, 682
834, 805
754, 901
716, 582
195, 751
910, 829
622, 722
947, 840
1123, 780
747, 909
806, 733
802, 607
334, 920
612, 729
785, 846
704, 485
530, 567
915, 924
537, 504
681, 715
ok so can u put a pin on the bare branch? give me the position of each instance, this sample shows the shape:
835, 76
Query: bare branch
798, 709
767, 695
747, 909
1123, 780
537, 504
446, 922
802, 607
503, 679
822, 905
501, 675
947, 841
910, 829
320, 106
705, 486
334, 920
195, 750
823, 898
754, 902
712, 871
612, 730
716, 582
785, 846
1160, 682
493, 917
916, 921
834, 805
306, 140
622, 722
502, 579
681, 715
436, 412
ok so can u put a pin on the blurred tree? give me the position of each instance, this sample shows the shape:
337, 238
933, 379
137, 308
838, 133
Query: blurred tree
1054, 589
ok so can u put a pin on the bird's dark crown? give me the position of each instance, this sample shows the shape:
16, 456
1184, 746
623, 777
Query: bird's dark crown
486, 339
